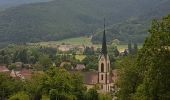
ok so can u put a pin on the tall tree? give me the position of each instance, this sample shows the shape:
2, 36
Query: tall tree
34, 86
148, 77
62, 85
130, 47
128, 77
154, 61
135, 48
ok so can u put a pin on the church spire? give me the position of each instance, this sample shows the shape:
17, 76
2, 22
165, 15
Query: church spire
104, 45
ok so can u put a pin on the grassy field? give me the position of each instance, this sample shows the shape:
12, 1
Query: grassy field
80, 57
80, 41
74, 41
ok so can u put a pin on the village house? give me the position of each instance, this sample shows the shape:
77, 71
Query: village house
80, 49
22, 74
4, 69
65, 48
80, 67
65, 63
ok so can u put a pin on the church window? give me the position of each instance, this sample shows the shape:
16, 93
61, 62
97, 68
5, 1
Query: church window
102, 67
101, 77
108, 66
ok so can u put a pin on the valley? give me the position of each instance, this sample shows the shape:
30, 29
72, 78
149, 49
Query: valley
61, 19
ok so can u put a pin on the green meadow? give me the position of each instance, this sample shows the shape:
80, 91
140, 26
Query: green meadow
80, 41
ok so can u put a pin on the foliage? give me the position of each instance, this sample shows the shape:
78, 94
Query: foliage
147, 78
154, 63
20, 96
9, 86
45, 61
91, 62
67, 66
105, 97
34, 87
129, 77
92, 94
89, 51
113, 50
61, 85
65, 19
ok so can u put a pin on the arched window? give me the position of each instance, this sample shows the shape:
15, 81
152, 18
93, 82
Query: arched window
101, 77
102, 67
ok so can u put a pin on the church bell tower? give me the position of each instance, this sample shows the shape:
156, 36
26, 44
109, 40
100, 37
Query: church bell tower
104, 66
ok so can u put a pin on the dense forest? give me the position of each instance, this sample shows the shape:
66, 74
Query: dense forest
59, 19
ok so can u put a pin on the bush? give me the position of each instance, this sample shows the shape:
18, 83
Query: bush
20, 96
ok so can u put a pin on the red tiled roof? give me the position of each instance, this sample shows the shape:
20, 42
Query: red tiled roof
90, 77
26, 73
3, 69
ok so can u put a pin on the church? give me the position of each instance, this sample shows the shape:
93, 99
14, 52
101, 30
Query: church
102, 77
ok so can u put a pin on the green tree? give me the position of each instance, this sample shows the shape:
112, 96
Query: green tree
91, 62
79, 89
58, 84
105, 97
116, 52
9, 86
20, 96
135, 48
12, 66
128, 79
92, 94
154, 61
130, 47
45, 61
67, 66
147, 78
34, 86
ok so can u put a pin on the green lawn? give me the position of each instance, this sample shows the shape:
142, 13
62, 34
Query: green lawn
80, 41
73, 41
122, 47
80, 57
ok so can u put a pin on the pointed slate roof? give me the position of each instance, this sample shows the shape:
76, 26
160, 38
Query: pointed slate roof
104, 45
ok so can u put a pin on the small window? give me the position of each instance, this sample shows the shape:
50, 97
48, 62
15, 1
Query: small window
102, 67
101, 77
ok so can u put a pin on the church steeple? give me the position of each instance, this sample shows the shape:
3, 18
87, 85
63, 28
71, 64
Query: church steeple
104, 45
104, 66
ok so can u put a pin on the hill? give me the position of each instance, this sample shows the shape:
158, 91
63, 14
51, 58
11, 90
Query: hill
134, 29
11, 3
59, 19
